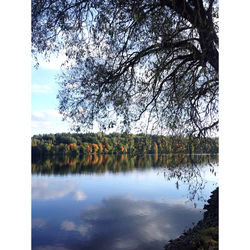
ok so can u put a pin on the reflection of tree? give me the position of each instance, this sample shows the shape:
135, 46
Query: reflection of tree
190, 173
121, 163
185, 169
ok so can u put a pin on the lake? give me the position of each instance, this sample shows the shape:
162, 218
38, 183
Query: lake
118, 202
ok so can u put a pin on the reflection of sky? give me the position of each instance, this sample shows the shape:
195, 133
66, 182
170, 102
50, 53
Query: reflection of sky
124, 223
127, 223
132, 210
49, 189
147, 184
38, 223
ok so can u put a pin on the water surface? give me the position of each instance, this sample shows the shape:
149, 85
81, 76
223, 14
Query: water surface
118, 202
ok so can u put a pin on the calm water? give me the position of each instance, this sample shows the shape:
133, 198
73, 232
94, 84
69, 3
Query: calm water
108, 202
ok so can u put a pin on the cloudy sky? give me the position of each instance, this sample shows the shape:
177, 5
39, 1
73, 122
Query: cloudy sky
45, 117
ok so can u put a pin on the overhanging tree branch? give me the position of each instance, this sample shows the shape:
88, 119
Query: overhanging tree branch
134, 57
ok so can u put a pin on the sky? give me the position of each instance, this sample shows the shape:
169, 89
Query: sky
45, 117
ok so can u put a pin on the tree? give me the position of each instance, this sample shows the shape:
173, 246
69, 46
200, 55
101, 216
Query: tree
134, 60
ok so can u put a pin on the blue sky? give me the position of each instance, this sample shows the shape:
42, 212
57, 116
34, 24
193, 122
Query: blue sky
45, 117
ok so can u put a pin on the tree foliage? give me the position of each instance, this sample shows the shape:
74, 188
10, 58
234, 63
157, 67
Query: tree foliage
154, 61
86, 144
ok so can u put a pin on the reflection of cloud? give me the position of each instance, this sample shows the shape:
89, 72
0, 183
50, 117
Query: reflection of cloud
126, 223
71, 226
55, 189
68, 226
38, 223
173, 202
47, 190
79, 196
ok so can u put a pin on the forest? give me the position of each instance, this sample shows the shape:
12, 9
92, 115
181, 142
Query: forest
76, 144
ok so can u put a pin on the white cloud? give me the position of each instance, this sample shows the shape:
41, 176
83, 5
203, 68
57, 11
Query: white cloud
55, 62
45, 115
43, 124
48, 121
41, 89
71, 226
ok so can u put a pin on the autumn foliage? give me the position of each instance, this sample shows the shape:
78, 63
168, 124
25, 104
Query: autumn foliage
85, 144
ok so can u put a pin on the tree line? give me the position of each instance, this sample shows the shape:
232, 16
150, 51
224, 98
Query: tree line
75, 144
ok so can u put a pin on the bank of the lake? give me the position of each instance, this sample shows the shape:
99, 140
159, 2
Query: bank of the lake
205, 235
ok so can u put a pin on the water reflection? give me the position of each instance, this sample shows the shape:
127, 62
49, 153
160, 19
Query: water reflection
109, 202
51, 189
184, 169
126, 223
99, 164
149, 222
38, 223
192, 176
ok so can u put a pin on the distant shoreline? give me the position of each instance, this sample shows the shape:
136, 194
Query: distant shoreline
87, 144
